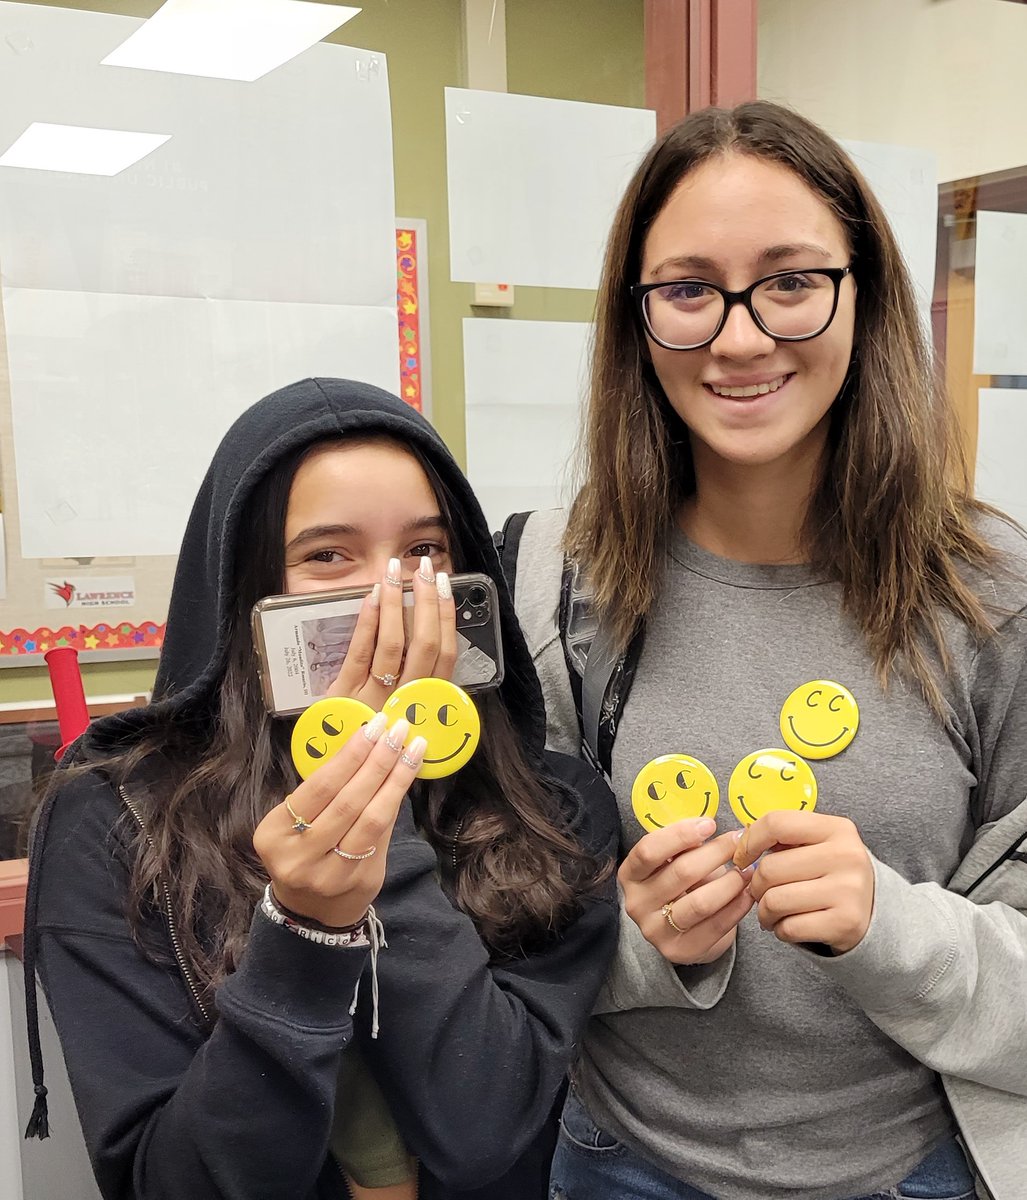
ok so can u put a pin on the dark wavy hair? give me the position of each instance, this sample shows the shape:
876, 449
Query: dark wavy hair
501, 828
892, 516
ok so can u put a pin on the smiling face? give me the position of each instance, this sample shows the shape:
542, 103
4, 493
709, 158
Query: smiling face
671, 788
352, 508
745, 398
445, 716
819, 719
323, 729
769, 780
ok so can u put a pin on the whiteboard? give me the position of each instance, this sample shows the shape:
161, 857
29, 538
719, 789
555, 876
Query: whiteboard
1001, 437
905, 181
534, 185
251, 199
1000, 294
524, 384
145, 310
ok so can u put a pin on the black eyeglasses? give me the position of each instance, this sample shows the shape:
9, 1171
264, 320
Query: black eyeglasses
789, 306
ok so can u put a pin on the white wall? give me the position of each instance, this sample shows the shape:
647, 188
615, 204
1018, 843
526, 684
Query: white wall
943, 75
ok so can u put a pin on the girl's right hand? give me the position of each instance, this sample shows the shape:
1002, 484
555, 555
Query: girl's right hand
350, 803
678, 867
379, 658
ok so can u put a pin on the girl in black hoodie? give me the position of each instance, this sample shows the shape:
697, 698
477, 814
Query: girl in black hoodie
211, 1051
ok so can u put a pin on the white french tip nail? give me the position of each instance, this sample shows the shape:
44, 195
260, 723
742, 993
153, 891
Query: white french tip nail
374, 728
442, 583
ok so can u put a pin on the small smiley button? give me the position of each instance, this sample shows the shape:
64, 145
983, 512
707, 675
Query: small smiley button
673, 787
323, 729
769, 780
445, 716
819, 719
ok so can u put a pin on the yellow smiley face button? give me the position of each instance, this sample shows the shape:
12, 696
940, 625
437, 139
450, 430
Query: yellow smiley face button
323, 729
445, 716
671, 788
770, 780
819, 719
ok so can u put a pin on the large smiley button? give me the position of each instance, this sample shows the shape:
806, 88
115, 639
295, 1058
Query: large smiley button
673, 787
819, 719
770, 780
444, 716
323, 729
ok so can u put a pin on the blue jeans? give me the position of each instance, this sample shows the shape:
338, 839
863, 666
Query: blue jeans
591, 1165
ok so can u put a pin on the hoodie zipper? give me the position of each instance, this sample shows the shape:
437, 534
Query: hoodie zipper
169, 915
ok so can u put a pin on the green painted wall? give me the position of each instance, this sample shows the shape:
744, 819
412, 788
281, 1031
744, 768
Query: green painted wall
564, 49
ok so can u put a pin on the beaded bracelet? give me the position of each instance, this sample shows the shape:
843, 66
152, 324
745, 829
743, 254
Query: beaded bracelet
354, 936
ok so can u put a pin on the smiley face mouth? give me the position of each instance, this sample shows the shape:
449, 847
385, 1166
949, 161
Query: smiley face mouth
649, 817
753, 817
433, 761
819, 745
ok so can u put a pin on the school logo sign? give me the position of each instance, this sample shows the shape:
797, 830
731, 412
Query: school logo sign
90, 591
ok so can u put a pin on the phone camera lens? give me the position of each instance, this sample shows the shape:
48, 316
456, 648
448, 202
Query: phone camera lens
477, 595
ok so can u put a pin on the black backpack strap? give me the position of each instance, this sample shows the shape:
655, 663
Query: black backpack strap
508, 542
605, 688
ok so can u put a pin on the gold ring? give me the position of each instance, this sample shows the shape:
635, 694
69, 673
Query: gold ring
299, 824
354, 857
668, 916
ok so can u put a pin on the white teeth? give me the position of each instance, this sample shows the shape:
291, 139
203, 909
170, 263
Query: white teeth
756, 389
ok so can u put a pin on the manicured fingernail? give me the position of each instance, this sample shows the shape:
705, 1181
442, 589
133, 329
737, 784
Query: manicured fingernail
397, 735
442, 583
413, 755
394, 574
374, 597
706, 827
738, 835
374, 728
427, 570
747, 872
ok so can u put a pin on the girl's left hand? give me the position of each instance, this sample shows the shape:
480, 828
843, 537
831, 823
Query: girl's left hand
817, 885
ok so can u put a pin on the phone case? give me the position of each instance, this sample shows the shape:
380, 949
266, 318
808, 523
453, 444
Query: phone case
301, 640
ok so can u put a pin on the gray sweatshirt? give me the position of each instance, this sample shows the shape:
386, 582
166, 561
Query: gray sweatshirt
776, 1072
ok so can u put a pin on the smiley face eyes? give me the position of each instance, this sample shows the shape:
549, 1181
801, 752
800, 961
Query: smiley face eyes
834, 704
787, 771
332, 726
316, 749
447, 714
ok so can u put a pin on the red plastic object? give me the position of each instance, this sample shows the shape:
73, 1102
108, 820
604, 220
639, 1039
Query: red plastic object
66, 681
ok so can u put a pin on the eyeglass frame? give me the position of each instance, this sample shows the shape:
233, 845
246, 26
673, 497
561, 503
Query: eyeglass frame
639, 291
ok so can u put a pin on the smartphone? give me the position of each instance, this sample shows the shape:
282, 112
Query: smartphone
301, 640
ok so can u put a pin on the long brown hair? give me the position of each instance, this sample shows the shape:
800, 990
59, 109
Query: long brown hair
501, 829
891, 517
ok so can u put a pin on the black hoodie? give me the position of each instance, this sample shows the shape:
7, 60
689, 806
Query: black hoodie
470, 1055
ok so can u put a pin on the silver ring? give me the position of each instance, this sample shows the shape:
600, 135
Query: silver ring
394, 581
386, 680
355, 857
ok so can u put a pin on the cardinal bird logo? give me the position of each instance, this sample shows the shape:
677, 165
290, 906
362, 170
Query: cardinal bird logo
65, 590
